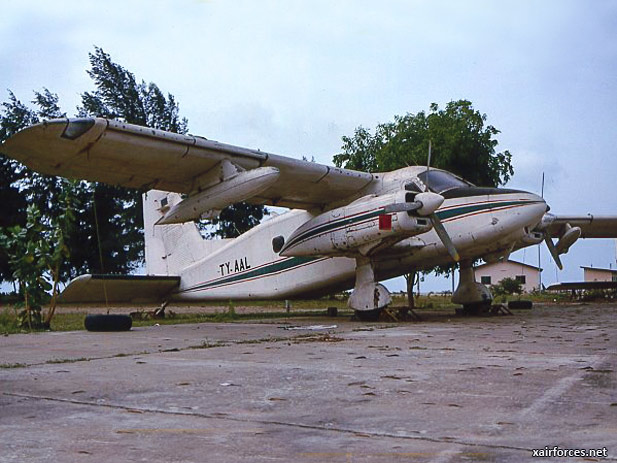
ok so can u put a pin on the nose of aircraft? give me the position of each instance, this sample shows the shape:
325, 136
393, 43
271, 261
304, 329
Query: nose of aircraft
534, 198
496, 194
532, 207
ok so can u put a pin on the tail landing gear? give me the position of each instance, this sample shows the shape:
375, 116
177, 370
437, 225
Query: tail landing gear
368, 297
473, 296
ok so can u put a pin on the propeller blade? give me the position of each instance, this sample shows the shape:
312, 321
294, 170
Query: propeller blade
403, 207
444, 237
428, 164
553, 251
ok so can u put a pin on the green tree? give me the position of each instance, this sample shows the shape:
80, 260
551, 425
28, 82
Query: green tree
461, 141
237, 219
19, 186
25, 248
36, 254
117, 95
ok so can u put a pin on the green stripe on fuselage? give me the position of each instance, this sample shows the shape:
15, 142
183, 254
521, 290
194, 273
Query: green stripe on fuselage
462, 210
335, 224
273, 267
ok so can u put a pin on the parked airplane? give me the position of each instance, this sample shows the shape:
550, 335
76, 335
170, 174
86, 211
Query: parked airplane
346, 229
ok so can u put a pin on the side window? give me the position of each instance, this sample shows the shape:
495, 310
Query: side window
485, 280
277, 243
411, 186
521, 279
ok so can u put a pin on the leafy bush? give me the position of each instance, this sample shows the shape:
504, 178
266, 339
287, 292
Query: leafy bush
507, 286
36, 253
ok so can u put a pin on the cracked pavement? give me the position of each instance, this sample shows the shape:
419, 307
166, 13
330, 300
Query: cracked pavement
464, 389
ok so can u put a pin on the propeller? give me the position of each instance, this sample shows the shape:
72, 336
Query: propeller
551, 248
444, 237
426, 204
539, 247
548, 240
428, 164
437, 225
546, 221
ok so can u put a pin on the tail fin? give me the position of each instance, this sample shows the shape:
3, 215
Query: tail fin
169, 248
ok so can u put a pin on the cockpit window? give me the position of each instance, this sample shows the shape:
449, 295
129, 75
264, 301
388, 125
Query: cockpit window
439, 181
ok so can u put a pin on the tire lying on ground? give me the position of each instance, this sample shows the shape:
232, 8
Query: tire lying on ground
520, 305
106, 322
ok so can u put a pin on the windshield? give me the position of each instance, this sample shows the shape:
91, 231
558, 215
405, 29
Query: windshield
439, 181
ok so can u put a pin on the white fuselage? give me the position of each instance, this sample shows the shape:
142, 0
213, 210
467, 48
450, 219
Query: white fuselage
481, 222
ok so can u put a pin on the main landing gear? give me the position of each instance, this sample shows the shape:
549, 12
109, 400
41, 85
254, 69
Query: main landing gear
473, 296
368, 297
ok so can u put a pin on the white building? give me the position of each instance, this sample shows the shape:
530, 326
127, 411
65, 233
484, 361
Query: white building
527, 275
599, 274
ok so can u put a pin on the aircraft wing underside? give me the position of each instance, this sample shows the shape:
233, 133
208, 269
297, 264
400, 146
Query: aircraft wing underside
132, 156
119, 288
592, 226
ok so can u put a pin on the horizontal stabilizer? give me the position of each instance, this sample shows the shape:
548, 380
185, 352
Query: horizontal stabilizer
119, 288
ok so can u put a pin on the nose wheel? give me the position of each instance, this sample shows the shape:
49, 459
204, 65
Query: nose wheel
473, 296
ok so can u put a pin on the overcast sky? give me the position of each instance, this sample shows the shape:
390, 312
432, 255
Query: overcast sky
292, 77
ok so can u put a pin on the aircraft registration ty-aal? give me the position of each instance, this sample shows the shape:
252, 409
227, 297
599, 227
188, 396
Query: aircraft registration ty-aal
346, 229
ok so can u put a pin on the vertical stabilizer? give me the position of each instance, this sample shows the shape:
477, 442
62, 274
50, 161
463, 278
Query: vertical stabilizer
169, 248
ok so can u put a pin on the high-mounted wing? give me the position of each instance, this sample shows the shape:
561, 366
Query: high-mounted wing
139, 157
592, 226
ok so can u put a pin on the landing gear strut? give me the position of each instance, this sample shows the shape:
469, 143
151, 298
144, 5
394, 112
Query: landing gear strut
368, 297
473, 296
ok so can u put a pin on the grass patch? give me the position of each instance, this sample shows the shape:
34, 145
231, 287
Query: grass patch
279, 305
75, 321
73, 360
8, 322
12, 365
228, 311
227, 317
68, 321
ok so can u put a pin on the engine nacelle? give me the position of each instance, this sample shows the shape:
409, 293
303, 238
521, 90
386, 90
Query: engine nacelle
567, 239
355, 228
237, 188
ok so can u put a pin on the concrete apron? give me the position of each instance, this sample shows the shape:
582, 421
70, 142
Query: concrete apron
478, 389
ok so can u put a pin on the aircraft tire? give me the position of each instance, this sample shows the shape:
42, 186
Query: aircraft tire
367, 315
477, 309
106, 322
523, 304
